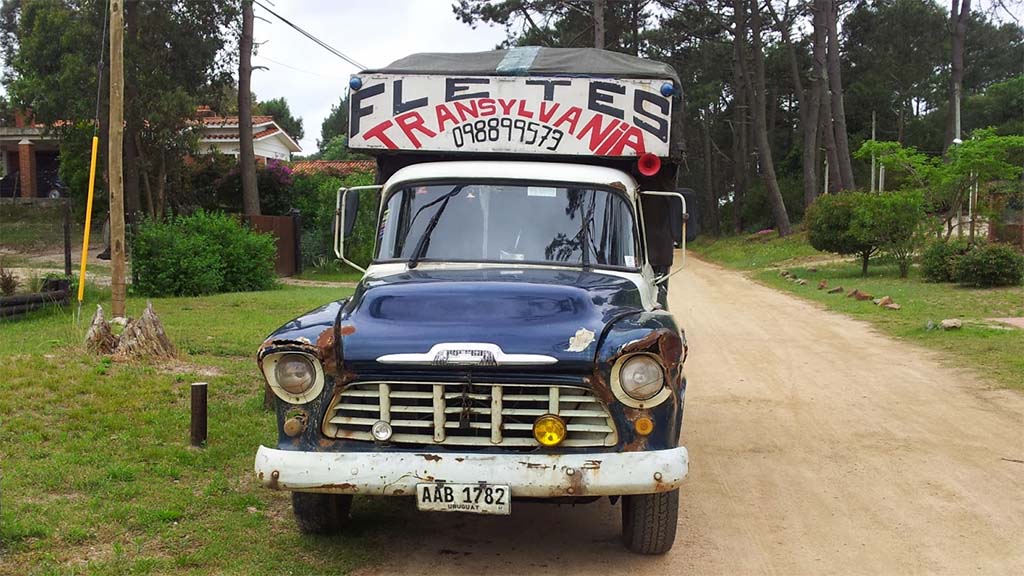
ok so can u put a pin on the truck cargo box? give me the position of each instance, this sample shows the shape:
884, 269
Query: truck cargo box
553, 102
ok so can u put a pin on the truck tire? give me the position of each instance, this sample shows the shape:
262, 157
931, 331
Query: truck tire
649, 522
321, 513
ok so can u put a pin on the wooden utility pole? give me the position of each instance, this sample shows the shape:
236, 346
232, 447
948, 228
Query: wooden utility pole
246, 154
114, 152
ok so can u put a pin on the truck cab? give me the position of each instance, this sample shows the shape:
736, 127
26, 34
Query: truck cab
510, 339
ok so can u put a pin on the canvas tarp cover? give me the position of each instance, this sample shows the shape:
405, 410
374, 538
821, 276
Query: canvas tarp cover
533, 61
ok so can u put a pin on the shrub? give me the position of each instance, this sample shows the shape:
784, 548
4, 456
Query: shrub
991, 265
939, 261
894, 221
200, 254
247, 256
830, 226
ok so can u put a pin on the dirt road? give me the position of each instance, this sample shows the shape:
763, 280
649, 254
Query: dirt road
817, 446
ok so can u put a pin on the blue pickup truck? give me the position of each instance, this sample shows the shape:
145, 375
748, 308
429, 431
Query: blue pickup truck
511, 338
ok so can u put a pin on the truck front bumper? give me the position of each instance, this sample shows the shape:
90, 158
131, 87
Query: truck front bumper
527, 475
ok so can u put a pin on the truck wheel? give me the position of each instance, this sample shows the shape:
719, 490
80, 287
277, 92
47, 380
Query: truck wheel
649, 522
321, 513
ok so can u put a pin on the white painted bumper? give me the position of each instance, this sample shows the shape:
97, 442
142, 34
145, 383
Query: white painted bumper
528, 475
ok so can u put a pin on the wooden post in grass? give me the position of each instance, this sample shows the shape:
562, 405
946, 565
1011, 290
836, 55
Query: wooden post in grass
115, 151
198, 428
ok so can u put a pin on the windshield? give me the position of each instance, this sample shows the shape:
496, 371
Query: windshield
508, 222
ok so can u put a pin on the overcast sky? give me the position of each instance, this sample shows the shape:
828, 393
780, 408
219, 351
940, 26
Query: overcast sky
371, 32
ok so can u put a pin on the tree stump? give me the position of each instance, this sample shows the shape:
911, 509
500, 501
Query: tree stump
144, 337
100, 339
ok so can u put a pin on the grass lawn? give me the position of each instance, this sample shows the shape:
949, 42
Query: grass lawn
992, 349
97, 475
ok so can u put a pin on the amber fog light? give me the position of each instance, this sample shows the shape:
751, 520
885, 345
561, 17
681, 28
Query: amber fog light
549, 430
644, 425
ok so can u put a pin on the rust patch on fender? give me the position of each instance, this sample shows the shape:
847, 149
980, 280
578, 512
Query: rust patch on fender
592, 465
347, 330
430, 457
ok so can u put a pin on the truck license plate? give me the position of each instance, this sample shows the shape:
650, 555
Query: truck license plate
472, 498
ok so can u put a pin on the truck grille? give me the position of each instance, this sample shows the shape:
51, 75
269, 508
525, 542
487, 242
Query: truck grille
457, 414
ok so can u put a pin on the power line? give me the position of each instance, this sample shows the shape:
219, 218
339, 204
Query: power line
320, 42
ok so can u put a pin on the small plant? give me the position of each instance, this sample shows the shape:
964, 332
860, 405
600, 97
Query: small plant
8, 282
991, 265
939, 261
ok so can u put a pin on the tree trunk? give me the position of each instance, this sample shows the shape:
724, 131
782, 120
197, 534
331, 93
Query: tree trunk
835, 81
710, 213
161, 185
132, 124
740, 145
778, 205
599, 23
809, 103
825, 131
246, 155
959, 13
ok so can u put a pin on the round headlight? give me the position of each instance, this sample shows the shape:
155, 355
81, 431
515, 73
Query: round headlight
641, 377
295, 373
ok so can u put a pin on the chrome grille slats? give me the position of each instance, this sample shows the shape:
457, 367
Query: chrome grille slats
459, 414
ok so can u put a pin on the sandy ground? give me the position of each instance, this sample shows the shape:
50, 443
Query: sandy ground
817, 446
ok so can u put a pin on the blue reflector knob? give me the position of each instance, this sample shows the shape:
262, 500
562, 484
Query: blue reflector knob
356, 83
667, 89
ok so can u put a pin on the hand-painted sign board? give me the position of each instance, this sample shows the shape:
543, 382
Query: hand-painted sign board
519, 115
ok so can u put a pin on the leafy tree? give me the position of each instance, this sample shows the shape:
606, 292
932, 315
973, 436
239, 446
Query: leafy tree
278, 108
178, 54
336, 123
984, 157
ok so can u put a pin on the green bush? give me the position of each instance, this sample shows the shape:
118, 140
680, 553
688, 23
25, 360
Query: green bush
896, 222
991, 265
939, 261
830, 222
200, 254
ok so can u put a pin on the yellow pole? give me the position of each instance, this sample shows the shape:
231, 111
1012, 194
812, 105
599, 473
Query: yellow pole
88, 218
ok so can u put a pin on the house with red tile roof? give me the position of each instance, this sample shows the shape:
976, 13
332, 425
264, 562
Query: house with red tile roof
29, 152
220, 134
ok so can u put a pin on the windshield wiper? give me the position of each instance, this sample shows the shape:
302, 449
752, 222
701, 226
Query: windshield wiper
421, 246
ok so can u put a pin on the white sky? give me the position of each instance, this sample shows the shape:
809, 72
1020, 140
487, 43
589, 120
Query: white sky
371, 32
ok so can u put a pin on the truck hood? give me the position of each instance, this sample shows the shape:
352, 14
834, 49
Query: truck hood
558, 314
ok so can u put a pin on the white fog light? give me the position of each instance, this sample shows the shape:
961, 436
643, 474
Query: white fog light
641, 377
381, 431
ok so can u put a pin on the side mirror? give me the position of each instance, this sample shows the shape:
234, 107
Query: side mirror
351, 201
345, 210
685, 217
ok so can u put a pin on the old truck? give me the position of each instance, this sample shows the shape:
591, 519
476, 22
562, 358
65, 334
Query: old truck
510, 340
